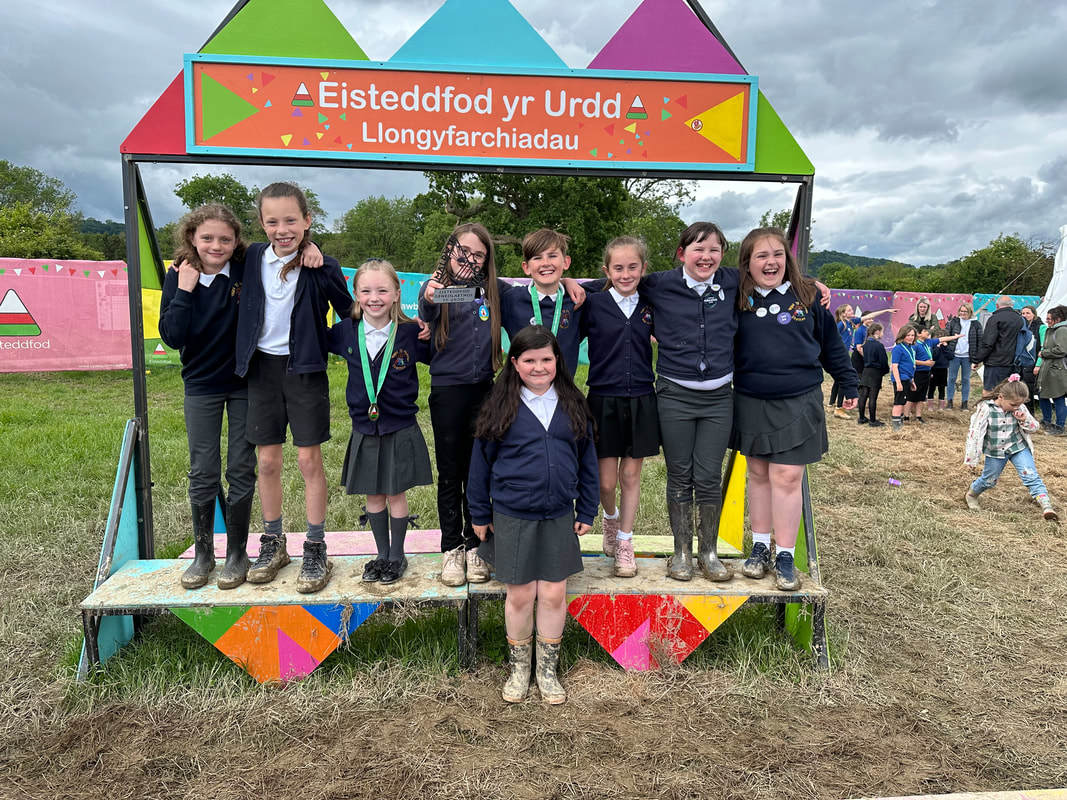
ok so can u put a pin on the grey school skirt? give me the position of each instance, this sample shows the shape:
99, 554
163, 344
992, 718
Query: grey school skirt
388, 464
524, 550
782, 431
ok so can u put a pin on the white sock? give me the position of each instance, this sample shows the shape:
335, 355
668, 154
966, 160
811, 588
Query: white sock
791, 550
611, 516
761, 538
624, 536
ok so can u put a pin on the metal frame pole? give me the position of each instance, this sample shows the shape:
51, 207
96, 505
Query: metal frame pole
142, 463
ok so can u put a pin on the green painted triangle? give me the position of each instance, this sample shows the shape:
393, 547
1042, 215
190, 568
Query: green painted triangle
44, 267
151, 270
222, 107
212, 622
592, 152
261, 29
322, 117
664, 115
776, 149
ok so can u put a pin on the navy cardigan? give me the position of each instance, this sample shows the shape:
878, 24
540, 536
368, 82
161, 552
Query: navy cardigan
533, 473
316, 291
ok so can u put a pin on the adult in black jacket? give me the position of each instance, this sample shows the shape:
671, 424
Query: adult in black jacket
996, 348
965, 355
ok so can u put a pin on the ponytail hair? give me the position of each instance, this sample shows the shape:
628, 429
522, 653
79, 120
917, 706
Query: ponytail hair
1013, 389
502, 405
286, 189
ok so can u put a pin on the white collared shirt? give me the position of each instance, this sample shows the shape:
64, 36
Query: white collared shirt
278, 307
541, 295
699, 286
207, 280
543, 406
376, 338
626, 304
780, 289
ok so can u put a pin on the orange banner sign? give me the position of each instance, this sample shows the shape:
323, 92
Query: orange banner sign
349, 110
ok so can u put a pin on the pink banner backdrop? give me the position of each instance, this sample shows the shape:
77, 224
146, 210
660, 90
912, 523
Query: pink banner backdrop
947, 304
864, 301
63, 315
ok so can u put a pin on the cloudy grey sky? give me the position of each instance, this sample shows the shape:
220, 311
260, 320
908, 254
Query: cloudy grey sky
933, 126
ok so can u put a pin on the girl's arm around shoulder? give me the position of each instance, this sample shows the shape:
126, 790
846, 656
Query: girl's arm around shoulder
340, 336
175, 311
588, 479
420, 348
335, 286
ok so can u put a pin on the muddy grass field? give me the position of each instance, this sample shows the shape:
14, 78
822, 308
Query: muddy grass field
948, 632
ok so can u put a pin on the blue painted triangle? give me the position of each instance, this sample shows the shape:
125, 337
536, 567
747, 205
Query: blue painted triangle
504, 38
333, 616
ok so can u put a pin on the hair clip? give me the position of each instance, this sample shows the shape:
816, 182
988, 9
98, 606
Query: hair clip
1013, 377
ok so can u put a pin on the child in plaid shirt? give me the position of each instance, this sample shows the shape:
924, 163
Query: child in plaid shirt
1000, 430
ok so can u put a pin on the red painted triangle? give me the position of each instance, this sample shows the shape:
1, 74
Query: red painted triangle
683, 101
337, 140
267, 78
162, 129
644, 154
114, 272
33, 270
610, 129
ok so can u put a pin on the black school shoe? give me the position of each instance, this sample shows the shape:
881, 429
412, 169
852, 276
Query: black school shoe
372, 570
394, 571
785, 574
876, 423
862, 421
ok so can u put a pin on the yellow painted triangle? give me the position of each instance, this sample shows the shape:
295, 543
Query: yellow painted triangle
711, 611
324, 75
732, 518
254, 90
632, 127
319, 135
722, 124
286, 138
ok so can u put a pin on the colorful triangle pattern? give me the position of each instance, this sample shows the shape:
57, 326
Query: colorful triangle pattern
276, 643
643, 631
256, 31
15, 318
222, 108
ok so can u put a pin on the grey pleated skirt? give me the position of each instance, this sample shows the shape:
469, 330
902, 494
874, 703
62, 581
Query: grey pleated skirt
388, 464
783, 431
524, 550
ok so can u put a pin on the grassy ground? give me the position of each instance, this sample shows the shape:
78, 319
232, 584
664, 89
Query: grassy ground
948, 631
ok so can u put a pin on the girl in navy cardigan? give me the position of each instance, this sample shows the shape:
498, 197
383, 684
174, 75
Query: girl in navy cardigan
533, 484
281, 347
387, 453
785, 340
622, 399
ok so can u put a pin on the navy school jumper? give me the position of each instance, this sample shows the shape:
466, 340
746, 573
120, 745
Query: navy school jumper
396, 403
620, 347
316, 291
516, 310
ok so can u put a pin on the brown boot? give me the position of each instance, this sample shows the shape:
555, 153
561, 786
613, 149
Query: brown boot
520, 656
552, 691
680, 565
272, 557
707, 544
315, 569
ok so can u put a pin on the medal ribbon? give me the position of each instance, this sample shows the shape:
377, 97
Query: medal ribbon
537, 307
364, 360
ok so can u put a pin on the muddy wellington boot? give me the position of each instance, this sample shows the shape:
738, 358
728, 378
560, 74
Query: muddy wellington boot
272, 557
680, 565
203, 545
520, 657
235, 569
708, 544
552, 691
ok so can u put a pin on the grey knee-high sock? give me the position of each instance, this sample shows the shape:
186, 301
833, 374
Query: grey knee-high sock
398, 528
316, 532
379, 526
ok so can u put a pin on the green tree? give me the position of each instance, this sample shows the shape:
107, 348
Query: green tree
41, 193
29, 233
1007, 264
777, 219
241, 200
376, 227
837, 275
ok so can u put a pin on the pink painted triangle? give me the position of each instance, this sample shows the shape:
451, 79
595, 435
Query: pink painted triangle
293, 660
633, 653
665, 35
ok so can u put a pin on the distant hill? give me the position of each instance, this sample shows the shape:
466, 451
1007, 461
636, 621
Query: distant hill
817, 258
92, 225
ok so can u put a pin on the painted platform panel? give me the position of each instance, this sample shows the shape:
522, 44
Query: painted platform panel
338, 543
651, 579
157, 584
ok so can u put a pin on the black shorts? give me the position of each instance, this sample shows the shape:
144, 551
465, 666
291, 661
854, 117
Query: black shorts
626, 427
900, 396
921, 382
278, 398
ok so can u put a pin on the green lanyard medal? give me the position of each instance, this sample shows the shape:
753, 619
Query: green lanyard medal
537, 307
372, 393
